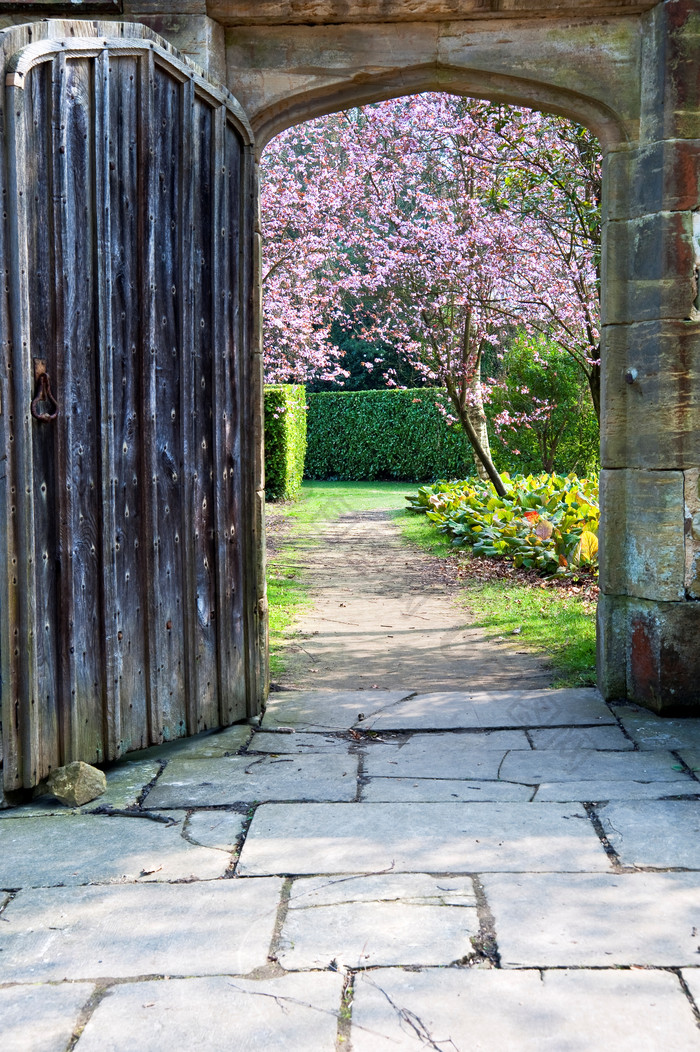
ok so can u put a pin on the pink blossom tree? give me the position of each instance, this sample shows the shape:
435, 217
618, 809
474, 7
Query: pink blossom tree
422, 214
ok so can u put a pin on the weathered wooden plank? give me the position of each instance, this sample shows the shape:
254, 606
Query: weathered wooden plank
169, 629
104, 440
202, 508
132, 539
254, 445
9, 672
20, 729
82, 412
64, 496
188, 190
24, 631
230, 641
41, 279
148, 363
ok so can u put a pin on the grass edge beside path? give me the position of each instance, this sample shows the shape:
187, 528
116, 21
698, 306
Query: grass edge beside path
287, 595
552, 623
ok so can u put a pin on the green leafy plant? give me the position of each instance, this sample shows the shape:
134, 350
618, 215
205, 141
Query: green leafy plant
285, 440
547, 523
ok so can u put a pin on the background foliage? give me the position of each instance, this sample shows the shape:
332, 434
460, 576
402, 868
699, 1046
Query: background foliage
383, 435
285, 440
540, 410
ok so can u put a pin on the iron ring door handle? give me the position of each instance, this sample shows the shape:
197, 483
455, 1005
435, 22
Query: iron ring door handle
44, 396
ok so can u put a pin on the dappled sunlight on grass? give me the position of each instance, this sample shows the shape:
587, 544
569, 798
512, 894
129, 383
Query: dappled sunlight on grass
560, 626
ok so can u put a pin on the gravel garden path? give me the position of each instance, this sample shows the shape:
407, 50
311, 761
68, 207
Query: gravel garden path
383, 615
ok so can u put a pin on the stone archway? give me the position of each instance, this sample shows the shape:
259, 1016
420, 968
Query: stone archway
631, 77
629, 70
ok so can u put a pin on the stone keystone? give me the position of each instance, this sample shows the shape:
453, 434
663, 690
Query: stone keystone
76, 784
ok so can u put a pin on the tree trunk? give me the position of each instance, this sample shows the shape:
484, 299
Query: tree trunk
594, 385
477, 416
483, 456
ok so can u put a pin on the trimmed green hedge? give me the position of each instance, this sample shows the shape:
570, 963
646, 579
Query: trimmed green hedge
285, 440
356, 435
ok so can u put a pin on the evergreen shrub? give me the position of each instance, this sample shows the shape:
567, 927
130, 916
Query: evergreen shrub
385, 434
285, 440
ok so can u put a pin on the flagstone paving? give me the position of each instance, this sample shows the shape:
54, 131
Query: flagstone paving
377, 870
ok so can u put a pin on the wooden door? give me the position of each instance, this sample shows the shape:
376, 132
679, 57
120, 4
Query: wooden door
128, 611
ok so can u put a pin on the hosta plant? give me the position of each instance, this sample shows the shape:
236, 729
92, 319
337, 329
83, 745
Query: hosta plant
547, 523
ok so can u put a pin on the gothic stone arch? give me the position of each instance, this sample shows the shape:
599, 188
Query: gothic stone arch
628, 69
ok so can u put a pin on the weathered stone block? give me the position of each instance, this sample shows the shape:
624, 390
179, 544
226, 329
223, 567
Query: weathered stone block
319, 12
692, 533
197, 37
663, 665
650, 390
611, 646
669, 70
648, 269
77, 783
658, 176
641, 534
657, 644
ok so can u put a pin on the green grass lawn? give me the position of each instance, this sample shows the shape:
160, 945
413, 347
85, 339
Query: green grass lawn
553, 623
329, 500
558, 626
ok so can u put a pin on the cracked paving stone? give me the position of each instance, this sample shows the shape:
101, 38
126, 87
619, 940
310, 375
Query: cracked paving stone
692, 758
299, 742
206, 746
692, 978
419, 838
453, 710
606, 737
567, 792
297, 1013
122, 930
40, 1018
571, 765
391, 919
323, 710
228, 780
663, 834
215, 829
653, 732
470, 1010
83, 849
436, 790
589, 920
443, 755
